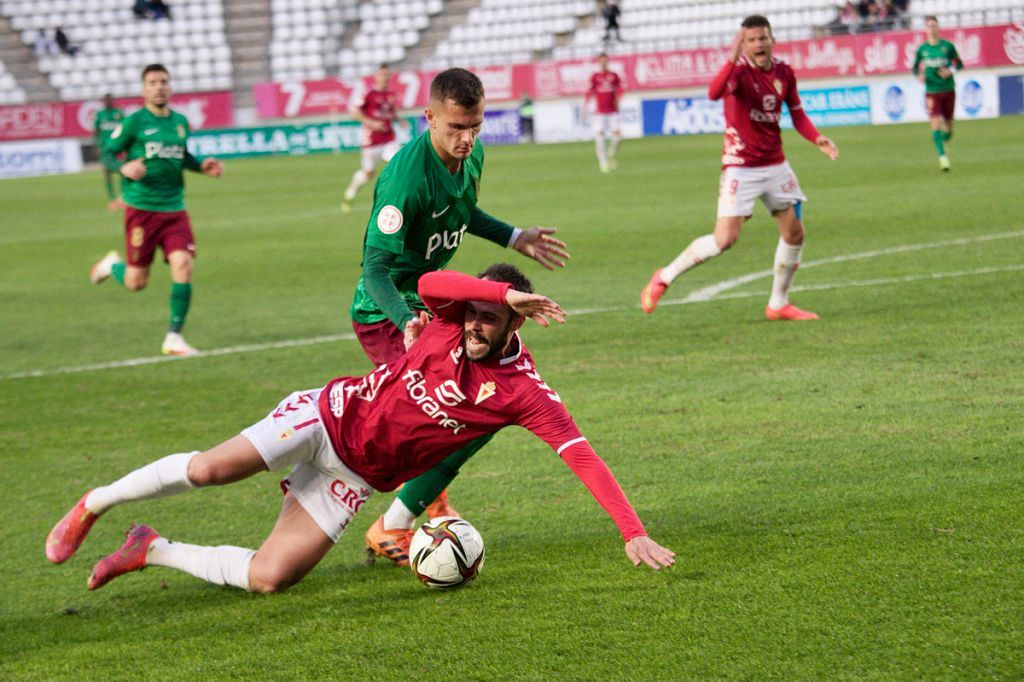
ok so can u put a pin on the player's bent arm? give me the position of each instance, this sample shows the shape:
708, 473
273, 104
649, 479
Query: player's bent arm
721, 82
446, 293
381, 288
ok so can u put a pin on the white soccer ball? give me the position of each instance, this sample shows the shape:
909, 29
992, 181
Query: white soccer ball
446, 552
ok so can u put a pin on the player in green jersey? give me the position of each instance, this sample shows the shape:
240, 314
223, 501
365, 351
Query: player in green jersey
106, 121
154, 142
934, 64
424, 204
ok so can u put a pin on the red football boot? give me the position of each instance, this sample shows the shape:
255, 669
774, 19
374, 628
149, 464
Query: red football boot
130, 557
67, 536
789, 312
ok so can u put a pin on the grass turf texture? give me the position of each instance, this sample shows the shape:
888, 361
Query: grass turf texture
844, 495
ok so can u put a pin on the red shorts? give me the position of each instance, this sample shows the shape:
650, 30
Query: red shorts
940, 104
145, 230
381, 340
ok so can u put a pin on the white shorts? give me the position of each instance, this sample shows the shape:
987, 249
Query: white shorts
776, 186
371, 156
293, 435
606, 123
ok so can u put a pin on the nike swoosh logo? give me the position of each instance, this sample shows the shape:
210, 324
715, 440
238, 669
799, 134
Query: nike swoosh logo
151, 131
438, 215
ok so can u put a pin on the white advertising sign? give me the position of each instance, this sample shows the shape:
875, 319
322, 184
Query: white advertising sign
901, 100
564, 121
39, 157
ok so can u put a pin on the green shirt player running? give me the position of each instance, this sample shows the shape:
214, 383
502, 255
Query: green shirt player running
105, 122
934, 64
424, 204
153, 140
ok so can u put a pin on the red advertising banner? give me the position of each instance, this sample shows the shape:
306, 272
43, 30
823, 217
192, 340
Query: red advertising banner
74, 119
838, 57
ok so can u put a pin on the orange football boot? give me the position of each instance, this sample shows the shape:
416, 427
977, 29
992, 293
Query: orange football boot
67, 536
390, 544
652, 293
789, 312
440, 507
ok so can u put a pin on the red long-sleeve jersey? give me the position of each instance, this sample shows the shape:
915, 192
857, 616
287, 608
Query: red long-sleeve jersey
753, 109
405, 417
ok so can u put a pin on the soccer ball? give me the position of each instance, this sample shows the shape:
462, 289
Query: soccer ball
446, 552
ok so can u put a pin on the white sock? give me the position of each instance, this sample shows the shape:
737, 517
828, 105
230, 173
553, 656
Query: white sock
224, 565
614, 147
787, 260
398, 516
601, 157
699, 250
167, 476
359, 179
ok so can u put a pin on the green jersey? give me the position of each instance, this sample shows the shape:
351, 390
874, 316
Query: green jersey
105, 123
421, 213
160, 140
933, 57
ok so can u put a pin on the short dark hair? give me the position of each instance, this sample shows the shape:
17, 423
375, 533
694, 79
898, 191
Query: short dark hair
155, 67
510, 274
931, 17
756, 21
459, 85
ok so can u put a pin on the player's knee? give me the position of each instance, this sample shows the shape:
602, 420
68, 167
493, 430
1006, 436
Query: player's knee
135, 283
269, 579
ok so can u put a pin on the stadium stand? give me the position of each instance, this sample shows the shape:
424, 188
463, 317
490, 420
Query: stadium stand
192, 45
10, 92
304, 34
387, 29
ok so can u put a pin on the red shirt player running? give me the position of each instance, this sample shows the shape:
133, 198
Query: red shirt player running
468, 375
377, 111
753, 166
606, 89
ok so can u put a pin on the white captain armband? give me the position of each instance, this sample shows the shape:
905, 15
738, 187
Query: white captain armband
512, 240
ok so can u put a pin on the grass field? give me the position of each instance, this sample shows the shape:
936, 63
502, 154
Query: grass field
844, 496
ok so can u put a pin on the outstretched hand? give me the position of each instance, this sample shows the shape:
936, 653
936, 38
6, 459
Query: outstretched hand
212, 167
413, 328
538, 244
643, 549
134, 169
536, 307
828, 147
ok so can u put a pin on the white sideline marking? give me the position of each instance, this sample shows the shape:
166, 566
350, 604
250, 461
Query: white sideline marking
713, 292
231, 350
709, 292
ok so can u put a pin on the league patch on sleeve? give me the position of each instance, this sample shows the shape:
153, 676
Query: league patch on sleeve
389, 220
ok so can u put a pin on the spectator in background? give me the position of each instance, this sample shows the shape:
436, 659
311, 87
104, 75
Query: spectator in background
899, 11
44, 45
611, 15
141, 9
847, 19
63, 43
159, 9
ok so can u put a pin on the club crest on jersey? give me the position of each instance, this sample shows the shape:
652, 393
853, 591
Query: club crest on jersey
487, 389
286, 434
181, 129
389, 220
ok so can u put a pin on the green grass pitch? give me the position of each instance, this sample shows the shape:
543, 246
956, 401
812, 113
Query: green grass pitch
844, 496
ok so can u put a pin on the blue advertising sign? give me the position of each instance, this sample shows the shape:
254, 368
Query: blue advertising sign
849, 106
682, 116
1011, 95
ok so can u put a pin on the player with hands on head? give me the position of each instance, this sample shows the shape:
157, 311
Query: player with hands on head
754, 86
470, 374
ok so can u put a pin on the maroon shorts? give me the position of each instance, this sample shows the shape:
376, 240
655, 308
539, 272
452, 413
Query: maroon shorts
381, 340
940, 104
146, 230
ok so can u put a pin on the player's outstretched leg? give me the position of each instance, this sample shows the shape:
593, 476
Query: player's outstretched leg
102, 269
699, 250
67, 536
130, 557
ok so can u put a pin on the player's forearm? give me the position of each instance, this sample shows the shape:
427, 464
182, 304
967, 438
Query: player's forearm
717, 88
439, 288
192, 163
108, 157
482, 224
601, 483
803, 125
382, 289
